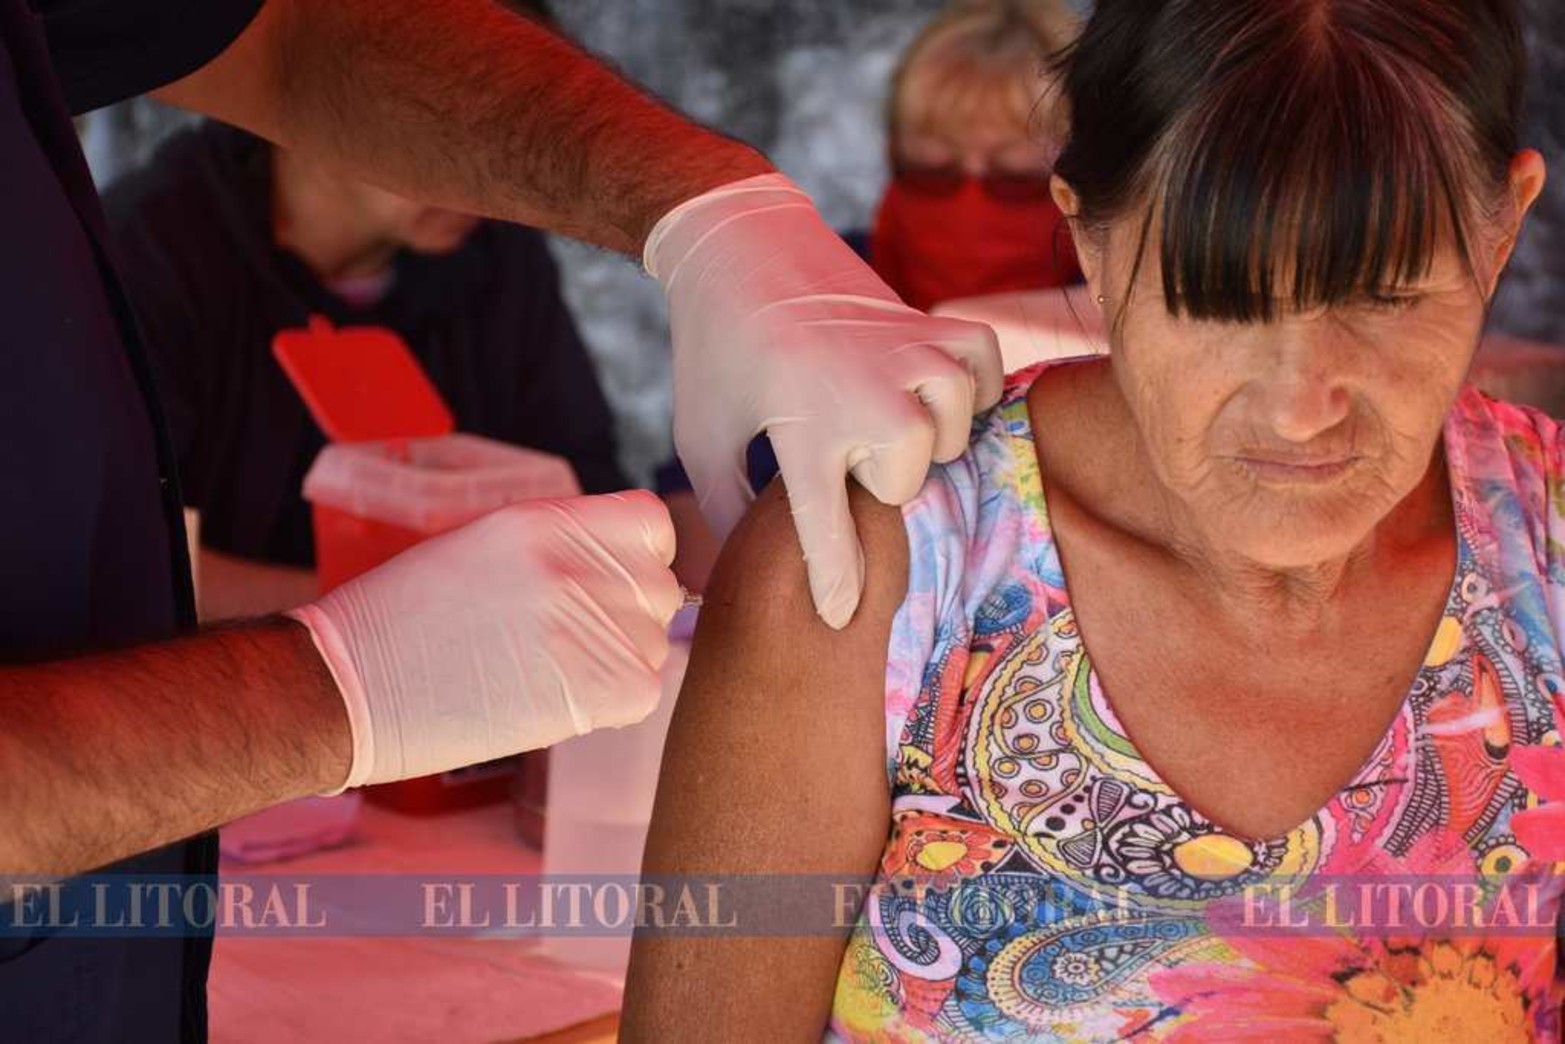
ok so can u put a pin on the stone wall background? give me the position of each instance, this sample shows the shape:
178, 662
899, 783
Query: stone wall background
805, 80
1531, 301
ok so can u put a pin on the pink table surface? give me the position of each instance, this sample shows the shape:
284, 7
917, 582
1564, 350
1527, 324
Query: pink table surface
340, 989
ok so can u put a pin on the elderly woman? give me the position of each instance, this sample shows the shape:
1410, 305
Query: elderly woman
972, 133
1266, 596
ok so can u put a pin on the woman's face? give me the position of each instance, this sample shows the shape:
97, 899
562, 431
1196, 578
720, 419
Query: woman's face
1286, 443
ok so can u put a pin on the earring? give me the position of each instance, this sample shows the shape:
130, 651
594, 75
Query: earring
1102, 300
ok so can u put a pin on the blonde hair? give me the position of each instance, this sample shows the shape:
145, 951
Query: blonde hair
979, 59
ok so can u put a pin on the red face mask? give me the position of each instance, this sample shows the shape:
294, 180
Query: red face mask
955, 237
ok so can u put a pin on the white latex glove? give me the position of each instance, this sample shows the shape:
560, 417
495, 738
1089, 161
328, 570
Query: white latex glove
779, 326
539, 622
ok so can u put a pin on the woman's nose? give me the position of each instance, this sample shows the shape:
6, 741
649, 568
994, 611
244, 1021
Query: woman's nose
975, 164
1306, 408
1305, 395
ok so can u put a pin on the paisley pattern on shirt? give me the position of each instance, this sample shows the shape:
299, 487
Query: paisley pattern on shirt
1042, 882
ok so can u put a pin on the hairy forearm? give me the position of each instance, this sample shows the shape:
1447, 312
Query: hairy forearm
464, 104
106, 756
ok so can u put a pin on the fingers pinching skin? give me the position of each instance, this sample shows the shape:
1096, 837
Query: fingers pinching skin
778, 326
977, 346
818, 499
894, 460
946, 389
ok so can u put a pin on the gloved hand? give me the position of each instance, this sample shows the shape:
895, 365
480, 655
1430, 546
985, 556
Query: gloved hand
536, 623
779, 326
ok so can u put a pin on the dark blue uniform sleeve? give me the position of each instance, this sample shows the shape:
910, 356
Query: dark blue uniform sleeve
107, 50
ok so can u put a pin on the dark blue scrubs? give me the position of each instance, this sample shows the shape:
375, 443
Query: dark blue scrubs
91, 547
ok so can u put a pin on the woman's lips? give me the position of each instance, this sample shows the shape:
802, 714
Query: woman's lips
1316, 471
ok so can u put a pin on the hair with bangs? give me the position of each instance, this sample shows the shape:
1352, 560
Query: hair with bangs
1304, 151
978, 59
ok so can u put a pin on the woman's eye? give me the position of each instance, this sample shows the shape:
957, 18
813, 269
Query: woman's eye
1393, 303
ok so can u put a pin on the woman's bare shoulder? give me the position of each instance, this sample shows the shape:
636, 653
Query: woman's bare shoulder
775, 765
761, 587
781, 719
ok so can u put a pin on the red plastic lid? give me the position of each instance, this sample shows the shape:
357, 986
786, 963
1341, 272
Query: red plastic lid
361, 383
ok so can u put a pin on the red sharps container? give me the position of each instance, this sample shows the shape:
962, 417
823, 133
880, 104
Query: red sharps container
395, 473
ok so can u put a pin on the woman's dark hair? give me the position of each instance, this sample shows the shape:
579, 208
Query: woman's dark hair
1327, 142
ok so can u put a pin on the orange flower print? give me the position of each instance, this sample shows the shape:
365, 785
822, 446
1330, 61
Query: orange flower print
1290, 985
923, 846
1339, 989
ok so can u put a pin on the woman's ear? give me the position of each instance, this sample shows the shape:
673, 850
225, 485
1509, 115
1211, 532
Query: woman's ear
1064, 197
1087, 254
1528, 175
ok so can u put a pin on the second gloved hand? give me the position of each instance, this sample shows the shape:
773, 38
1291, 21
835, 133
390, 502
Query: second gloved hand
779, 327
534, 624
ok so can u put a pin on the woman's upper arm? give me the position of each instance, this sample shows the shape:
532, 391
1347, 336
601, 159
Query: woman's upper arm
775, 765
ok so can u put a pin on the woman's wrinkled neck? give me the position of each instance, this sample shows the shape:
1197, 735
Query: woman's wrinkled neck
313, 217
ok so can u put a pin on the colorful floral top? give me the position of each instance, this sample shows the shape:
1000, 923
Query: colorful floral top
1041, 882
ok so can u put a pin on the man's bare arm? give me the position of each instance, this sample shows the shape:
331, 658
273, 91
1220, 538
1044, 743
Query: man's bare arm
775, 765
107, 756
463, 104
